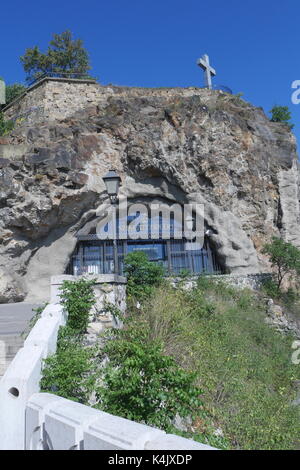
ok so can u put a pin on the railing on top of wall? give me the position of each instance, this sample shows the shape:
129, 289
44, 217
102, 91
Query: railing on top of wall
70, 75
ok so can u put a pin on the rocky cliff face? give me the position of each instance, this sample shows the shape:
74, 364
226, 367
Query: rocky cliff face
172, 144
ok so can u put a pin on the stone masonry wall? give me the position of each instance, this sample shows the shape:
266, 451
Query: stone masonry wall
250, 281
109, 289
55, 98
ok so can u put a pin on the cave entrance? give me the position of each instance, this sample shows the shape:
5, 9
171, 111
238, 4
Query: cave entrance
96, 256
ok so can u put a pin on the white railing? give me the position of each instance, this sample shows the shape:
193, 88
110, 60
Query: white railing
54, 423
33, 420
21, 380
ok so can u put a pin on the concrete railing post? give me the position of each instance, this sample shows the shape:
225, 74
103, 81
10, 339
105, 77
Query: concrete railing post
22, 377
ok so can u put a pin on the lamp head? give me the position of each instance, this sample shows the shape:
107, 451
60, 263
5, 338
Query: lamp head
112, 183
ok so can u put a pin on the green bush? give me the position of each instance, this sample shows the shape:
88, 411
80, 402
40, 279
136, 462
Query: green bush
243, 365
290, 297
281, 114
5, 126
13, 91
70, 373
142, 275
284, 256
143, 384
78, 298
270, 288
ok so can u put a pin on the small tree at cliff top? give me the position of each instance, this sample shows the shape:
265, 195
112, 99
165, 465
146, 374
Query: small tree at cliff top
281, 114
12, 92
284, 256
64, 55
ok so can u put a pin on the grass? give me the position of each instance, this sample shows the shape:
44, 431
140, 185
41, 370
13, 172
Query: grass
243, 365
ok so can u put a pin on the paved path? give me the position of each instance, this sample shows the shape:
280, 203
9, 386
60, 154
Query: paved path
14, 319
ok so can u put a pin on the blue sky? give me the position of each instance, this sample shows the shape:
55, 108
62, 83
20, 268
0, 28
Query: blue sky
254, 46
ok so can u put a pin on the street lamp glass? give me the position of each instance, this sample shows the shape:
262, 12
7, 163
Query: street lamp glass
112, 182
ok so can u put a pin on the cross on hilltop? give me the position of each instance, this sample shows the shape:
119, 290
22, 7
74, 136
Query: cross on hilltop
2, 92
208, 70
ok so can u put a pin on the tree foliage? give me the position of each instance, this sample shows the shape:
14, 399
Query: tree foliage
64, 55
70, 373
284, 256
78, 298
281, 114
142, 274
13, 91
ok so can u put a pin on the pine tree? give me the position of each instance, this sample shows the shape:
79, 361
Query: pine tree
65, 55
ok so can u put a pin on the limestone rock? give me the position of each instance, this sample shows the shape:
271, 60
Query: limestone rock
10, 289
274, 310
167, 144
282, 320
95, 327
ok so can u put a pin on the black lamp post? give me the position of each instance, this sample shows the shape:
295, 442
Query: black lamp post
112, 182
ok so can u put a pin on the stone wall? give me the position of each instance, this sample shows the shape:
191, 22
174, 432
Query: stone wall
241, 281
250, 281
28, 106
53, 99
58, 98
108, 288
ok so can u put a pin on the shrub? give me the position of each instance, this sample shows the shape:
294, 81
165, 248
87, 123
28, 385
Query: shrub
78, 298
284, 256
5, 126
281, 114
243, 366
142, 274
70, 373
13, 91
141, 383
270, 288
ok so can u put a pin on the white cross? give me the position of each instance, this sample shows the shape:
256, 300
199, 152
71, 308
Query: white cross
208, 70
2, 92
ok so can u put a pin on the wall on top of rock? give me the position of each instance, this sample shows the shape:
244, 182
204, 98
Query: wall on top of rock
167, 144
59, 98
53, 99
